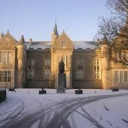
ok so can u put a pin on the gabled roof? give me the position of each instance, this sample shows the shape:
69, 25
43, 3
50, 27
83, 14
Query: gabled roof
65, 39
7, 41
8, 36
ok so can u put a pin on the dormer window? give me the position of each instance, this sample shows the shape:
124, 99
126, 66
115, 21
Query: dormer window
63, 44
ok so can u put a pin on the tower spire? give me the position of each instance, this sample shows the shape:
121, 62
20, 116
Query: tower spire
55, 30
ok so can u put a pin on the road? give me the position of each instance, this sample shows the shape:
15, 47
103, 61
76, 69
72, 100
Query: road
53, 115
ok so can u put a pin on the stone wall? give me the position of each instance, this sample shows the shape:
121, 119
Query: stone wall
86, 57
39, 79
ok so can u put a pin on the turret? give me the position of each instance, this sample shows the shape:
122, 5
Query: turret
22, 40
105, 50
20, 53
21, 60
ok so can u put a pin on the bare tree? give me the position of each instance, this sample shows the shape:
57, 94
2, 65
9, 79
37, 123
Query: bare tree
120, 45
116, 30
120, 7
109, 27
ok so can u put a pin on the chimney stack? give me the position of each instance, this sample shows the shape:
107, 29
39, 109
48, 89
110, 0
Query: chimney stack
30, 40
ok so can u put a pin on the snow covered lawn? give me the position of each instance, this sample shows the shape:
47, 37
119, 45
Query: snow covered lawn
25, 108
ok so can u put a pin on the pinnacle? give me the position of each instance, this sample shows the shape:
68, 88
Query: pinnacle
22, 40
55, 30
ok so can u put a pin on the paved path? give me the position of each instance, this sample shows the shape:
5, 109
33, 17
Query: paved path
51, 116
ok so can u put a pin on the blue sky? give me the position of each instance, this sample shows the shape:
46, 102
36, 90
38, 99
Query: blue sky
36, 18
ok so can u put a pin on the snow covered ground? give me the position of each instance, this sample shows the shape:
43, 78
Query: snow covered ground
25, 108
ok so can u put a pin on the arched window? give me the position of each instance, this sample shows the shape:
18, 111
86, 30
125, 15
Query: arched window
64, 57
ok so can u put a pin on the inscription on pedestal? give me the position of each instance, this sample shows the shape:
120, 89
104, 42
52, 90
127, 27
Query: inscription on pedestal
61, 80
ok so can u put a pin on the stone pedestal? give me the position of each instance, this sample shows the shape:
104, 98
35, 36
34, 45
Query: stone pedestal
12, 89
42, 91
3, 95
79, 91
61, 83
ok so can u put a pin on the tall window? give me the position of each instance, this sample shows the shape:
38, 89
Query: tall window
117, 76
1, 76
5, 57
30, 68
97, 69
29, 64
0, 57
79, 73
9, 76
125, 76
47, 68
121, 76
5, 76
9, 57
63, 44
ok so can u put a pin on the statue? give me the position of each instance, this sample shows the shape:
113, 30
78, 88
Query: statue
61, 66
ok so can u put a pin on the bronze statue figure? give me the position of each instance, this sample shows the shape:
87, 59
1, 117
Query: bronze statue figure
61, 66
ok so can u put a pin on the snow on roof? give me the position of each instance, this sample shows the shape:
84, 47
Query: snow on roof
38, 44
47, 44
84, 44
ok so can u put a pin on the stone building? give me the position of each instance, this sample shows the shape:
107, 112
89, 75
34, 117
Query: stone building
35, 64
